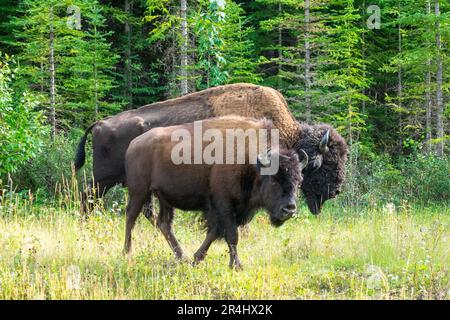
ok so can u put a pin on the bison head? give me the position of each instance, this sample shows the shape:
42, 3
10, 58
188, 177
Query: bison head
325, 173
279, 191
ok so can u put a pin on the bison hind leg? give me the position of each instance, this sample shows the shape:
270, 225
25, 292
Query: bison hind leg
200, 254
164, 222
149, 211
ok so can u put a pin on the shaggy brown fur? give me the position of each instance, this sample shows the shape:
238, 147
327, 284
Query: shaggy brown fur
249, 100
112, 135
227, 194
324, 182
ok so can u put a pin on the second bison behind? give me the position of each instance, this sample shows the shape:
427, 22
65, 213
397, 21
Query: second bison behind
227, 194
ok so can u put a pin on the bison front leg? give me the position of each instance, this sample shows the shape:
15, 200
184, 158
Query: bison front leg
234, 259
232, 237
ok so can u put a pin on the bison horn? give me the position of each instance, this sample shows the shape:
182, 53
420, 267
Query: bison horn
305, 160
323, 145
264, 159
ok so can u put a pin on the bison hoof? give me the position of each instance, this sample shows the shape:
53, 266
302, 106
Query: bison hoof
237, 266
198, 258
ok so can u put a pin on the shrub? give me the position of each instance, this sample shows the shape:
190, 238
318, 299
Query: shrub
50, 167
21, 129
415, 178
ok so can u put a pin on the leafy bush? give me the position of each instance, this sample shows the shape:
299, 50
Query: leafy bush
21, 128
50, 167
415, 178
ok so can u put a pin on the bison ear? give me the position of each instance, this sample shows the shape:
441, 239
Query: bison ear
323, 145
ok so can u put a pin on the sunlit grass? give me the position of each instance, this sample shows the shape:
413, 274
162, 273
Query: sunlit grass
376, 253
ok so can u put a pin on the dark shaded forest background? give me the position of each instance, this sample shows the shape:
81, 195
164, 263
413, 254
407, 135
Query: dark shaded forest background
383, 83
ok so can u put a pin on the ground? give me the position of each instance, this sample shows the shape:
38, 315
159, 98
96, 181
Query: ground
384, 252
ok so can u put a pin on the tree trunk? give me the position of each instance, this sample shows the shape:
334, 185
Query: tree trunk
52, 77
399, 87
363, 56
128, 72
184, 43
280, 44
307, 63
42, 76
428, 97
439, 98
428, 109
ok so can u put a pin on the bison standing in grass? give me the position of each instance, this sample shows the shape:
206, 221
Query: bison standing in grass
227, 194
111, 136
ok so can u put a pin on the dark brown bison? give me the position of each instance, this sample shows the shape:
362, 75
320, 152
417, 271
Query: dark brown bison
325, 174
324, 146
227, 194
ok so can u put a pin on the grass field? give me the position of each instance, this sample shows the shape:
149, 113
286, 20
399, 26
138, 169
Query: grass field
384, 252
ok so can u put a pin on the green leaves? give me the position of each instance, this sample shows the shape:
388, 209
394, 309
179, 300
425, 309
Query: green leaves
208, 27
83, 58
21, 127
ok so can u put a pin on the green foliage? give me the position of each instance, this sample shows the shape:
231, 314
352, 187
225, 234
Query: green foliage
211, 44
83, 58
50, 167
343, 71
21, 127
158, 13
87, 73
241, 60
379, 180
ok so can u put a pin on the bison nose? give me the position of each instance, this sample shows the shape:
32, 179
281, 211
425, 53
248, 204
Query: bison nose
289, 209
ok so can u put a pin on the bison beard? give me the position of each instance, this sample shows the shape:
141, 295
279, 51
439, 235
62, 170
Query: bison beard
228, 195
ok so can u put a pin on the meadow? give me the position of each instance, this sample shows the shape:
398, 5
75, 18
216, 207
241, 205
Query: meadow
378, 72
378, 252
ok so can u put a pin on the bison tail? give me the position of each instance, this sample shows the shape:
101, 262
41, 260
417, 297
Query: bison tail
81, 153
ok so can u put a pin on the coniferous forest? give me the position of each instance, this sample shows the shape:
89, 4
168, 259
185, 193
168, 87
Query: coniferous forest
376, 70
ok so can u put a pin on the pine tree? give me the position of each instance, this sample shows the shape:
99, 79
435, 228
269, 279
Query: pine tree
166, 19
239, 51
343, 71
67, 65
88, 70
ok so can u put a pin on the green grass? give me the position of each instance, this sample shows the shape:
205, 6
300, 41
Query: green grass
374, 253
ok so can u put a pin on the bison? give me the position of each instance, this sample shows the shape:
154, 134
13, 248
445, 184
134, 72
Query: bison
111, 136
227, 194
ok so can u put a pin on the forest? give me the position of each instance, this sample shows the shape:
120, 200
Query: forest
376, 70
